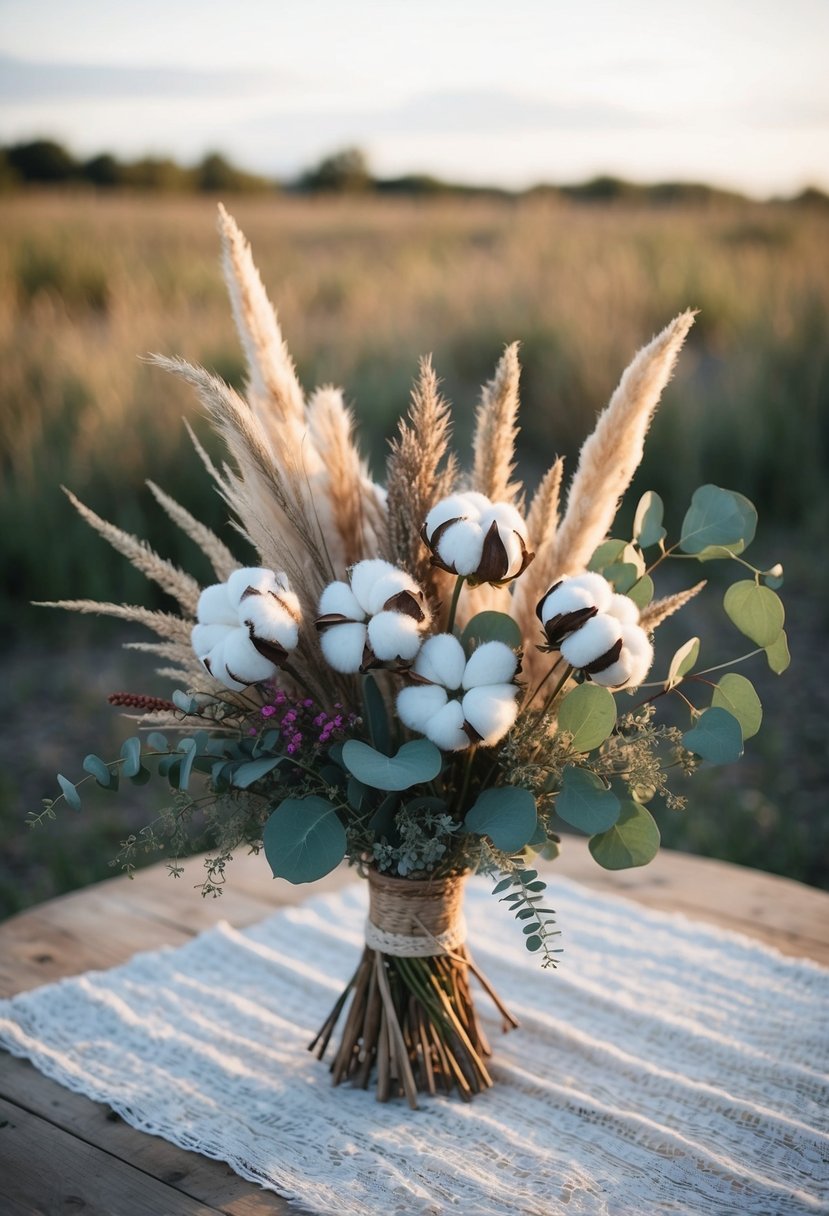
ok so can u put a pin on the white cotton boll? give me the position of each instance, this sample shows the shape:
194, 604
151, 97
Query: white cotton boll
514, 550
214, 606
270, 621
445, 729
506, 516
251, 576
393, 635
343, 646
634, 661
418, 704
490, 663
565, 599
461, 546
387, 586
491, 710
453, 507
478, 502
364, 576
242, 660
623, 608
339, 600
592, 640
598, 587
441, 660
617, 674
205, 637
215, 664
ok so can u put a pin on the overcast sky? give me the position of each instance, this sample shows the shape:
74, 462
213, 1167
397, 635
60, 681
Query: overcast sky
731, 91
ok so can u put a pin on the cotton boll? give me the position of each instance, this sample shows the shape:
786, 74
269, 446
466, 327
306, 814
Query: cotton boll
514, 550
599, 588
616, 675
364, 576
270, 621
343, 646
491, 710
339, 600
441, 660
478, 502
418, 704
591, 641
393, 635
205, 637
460, 547
215, 664
251, 576
623, 608
214, 606
243, 661
445, 729
388, 586
638, 646
565, 599
455, 506
506, 516
490, 663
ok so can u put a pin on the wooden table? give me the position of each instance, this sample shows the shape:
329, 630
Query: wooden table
61, 1153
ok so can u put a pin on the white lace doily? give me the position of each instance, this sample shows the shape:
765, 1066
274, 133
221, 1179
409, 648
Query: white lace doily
665, 1067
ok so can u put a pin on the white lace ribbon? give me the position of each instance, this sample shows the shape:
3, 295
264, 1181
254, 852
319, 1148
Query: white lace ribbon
403, 945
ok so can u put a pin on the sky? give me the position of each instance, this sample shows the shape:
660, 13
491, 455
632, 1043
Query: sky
734, 92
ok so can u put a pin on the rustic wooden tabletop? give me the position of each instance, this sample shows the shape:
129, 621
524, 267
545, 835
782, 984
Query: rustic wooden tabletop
61, 1153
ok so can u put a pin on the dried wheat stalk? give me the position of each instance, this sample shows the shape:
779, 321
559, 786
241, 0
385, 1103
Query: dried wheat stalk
496, 429
659, 610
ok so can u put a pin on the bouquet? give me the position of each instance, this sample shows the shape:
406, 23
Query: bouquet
425, 678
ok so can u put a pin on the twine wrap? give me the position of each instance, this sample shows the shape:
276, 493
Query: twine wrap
415, 918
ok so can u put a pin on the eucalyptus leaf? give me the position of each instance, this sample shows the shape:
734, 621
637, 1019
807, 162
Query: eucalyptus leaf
778, 654
382, 822
607, 552
304, 839
736, 694
253, 770
184, 702
588, 713
717, 518
682, 662
716, 737
491, 627
641, 592
71, 795
632, 841
757, 611
376, 714
585, 802
416, 762
647, 522
507, 814
191, 750
623, 576
95, 766
157, 741
131, 755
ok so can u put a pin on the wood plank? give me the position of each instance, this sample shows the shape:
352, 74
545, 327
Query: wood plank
212, 1182
46, 1170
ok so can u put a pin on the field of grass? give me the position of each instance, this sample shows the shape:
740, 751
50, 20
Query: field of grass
365, 286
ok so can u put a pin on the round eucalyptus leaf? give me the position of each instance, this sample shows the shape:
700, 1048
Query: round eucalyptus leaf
491, 627
623, 576
608, 551
717, 518
588, 713
682, 662
778, 654
736, 694
157, 741
757, 611
415, 763
304, 839
184, 702
647, 522
254, 770
131, 755
585, 802
506, 814
73, 798
632, 841
716, 737
641, 592
95, 766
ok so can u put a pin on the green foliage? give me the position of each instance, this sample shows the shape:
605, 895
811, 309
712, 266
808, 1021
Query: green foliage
647, 522
757, 611
69, 792
304, 839
717, 522
716, 737
415, 763
523, 891
632, 841
491, 627
506, 814
778, 654
682, 662
585, 802
376, 715
588, 713
737, 694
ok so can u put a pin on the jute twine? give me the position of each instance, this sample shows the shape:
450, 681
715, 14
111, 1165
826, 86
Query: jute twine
415, 918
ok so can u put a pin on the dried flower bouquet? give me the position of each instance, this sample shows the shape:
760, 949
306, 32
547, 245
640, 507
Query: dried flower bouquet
426, 678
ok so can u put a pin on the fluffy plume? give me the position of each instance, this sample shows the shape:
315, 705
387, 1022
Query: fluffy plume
168, 577
542, 524
164, 624
420, 471
344, 472
215, 550
660, 610
611, 455
496, 430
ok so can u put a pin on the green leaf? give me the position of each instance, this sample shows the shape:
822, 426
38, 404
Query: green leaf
491, 627
415, 763
778, 654
506, 814
304, 839
377, 716
716, 737
647, 522
585, 802
73, 798
757, 611
253, 770
588, 713
641, 592
95, 766
736, 694
382, 822
718, 519
682, 662
533, 943
632, 841
191, 750
131, 755
623, 576
184, 702
157, 741
607, 552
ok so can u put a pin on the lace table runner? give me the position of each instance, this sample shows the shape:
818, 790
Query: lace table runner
665, 1067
